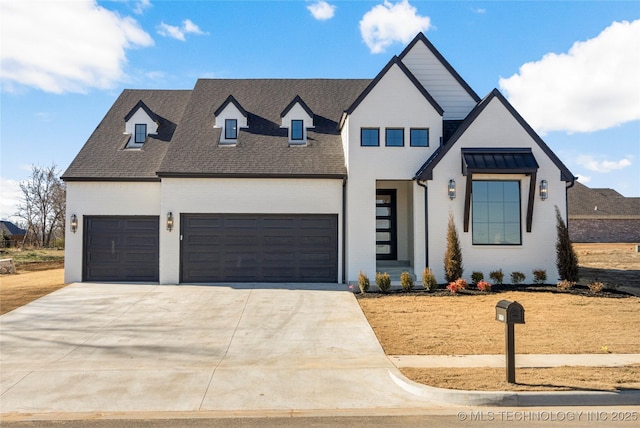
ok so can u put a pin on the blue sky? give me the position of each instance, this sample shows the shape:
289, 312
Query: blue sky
571, 68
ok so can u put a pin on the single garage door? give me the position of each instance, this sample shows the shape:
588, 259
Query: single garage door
259, 248
121, 249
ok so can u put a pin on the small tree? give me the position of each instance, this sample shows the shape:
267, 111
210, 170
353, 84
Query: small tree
566, 258
453, 255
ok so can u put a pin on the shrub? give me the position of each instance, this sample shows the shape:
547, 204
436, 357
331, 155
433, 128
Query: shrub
383, 281
517, 278
566, 258
539, 276
453, 255
497, 276
484, 286
565, 285
429, 280
406, 281
476, 277
363, 282
457, 285
596, 287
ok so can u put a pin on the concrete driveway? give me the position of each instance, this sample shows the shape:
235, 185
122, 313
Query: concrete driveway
257, 347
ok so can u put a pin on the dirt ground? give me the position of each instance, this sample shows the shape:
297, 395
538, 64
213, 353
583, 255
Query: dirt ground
556, 323
21, 288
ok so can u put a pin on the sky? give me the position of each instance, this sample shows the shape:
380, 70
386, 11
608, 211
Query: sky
570, 68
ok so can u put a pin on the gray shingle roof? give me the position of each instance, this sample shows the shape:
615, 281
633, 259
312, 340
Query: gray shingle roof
103, 157
263, 148
585, 202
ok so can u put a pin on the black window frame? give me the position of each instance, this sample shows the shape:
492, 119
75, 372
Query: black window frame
386, 137
362, 132
411, 140
294, 137
234, 134
475, 210
138, 133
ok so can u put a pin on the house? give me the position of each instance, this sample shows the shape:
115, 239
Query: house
10, 234
602, 215
312, 180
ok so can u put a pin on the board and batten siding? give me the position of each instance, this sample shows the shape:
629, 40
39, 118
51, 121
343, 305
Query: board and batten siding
438, 81
103, 198
242, 196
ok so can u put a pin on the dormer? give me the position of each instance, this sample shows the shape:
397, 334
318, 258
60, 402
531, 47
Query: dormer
139, 123
231, 117
297, 117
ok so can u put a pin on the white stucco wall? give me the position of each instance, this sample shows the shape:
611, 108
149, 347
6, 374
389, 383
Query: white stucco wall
140, 117
395, 103
103, 198
223, 195
495, 127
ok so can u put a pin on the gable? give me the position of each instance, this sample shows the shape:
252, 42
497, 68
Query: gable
494, 123
433, 72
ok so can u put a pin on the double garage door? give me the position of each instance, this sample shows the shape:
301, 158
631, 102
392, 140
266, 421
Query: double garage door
215, 248
259, 248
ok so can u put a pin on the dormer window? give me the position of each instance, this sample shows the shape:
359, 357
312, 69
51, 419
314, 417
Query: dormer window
297, 117
141, 133
231, 129
139, 123
231, 117
297, 130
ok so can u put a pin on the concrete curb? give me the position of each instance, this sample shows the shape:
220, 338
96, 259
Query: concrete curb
516, 399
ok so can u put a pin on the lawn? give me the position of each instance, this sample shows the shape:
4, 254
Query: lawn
556, 323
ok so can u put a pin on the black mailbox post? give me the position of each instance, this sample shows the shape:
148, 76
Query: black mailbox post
510, 313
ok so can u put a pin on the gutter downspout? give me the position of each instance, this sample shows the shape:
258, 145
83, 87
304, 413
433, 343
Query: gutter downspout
344, 230
426, 220
566, 198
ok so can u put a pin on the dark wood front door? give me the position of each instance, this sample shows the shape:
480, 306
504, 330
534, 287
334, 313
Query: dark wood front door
386, 239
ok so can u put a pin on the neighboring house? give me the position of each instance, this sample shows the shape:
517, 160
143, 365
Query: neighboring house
312, 180
602, 215
10, 234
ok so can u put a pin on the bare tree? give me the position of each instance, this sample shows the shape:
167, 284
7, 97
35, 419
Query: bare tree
42, 205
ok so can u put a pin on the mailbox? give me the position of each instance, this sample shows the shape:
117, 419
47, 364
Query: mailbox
509, 312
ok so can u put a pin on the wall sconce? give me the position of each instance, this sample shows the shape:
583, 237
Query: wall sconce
452, 189
74, 223
169, 221
544, 190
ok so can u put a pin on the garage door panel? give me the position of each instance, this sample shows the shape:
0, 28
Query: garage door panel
259, 248
121, 249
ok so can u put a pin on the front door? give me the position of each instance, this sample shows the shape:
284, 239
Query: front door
386, 240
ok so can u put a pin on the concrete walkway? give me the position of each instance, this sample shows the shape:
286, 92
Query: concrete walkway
256, 348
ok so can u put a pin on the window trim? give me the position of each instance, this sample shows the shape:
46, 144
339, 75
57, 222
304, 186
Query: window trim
473, 223
301, 122
386, 137
228, 128
143, 127
362, 130
411, 137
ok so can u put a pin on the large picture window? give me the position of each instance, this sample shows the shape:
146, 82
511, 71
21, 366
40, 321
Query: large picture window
370, 137
496, 212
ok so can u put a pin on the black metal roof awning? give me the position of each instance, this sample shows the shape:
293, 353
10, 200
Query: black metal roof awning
498, 161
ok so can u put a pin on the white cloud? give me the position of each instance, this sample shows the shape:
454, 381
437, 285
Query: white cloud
593, 164
10, 190
68, 46
178, 33
387, 23
594, 86
141, 6
584, 179
321, 10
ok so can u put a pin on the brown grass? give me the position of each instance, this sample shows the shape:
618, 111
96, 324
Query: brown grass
21, 288
613, 264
